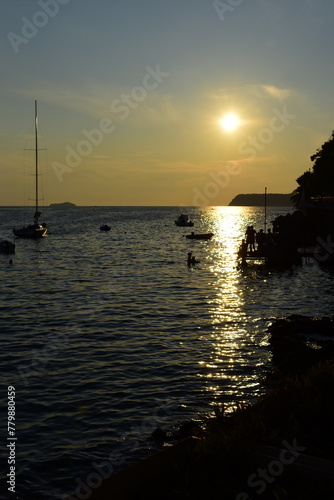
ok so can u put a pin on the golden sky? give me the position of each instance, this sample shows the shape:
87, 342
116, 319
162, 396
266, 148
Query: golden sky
131, 98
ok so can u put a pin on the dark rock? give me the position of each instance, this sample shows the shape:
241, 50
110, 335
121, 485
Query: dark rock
289, 342
302, 325
159, 435
188, 428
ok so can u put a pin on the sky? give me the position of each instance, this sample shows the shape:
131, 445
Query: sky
131, 97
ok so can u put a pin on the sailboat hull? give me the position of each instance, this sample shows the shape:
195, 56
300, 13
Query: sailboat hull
31, 231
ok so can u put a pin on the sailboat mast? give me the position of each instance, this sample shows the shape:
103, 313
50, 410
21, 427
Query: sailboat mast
35, 230
36, 158
265, 209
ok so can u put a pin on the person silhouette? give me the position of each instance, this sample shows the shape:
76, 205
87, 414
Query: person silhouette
191, 259
250, 238
243, 252
260, 240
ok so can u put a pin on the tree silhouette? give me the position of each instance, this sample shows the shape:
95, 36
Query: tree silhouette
318, 182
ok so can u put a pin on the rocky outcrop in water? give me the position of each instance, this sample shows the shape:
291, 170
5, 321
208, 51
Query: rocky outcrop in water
300, 342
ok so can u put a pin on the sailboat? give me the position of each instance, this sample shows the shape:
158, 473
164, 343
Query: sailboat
35, 230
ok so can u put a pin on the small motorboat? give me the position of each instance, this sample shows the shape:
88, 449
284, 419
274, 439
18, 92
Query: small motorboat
7, 246
205, 236
105, 227
183, 220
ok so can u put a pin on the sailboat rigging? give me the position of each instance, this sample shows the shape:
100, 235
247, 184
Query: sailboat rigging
35, 230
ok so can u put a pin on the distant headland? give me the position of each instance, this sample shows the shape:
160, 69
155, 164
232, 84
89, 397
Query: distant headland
66, 204
257, 200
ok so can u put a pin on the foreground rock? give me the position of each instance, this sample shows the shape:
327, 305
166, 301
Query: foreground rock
300, 342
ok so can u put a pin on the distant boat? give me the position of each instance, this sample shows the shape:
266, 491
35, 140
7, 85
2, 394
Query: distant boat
7, 246
105, 227
205, 236
35, 230
183, 220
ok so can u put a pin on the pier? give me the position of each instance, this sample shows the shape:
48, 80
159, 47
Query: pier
254, 256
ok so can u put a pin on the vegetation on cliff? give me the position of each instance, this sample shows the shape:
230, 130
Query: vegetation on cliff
257, 200
318, 181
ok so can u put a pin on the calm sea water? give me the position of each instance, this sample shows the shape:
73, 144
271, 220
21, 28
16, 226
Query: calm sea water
106, 336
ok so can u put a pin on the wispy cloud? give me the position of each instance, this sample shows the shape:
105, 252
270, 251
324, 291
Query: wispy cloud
96, 101
157, 108
278, 93
91, 103
259, 91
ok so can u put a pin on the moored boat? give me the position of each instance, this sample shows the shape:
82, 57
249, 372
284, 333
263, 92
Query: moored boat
204, 236
35, 230
7, 246
183, 220
105, 227
31, 231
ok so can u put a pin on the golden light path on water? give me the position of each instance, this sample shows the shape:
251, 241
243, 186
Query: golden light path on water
226, 369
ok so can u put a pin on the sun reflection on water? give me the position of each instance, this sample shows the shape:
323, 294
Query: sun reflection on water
226, 369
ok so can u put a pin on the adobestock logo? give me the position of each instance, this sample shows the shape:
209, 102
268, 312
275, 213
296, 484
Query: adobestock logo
83, 148
93, 138
30, 28
223, 7
103, 470
130, 101
324, 249
219, 180
60, 339
267, 475
266, 135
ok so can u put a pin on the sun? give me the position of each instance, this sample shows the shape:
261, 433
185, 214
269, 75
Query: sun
230, 122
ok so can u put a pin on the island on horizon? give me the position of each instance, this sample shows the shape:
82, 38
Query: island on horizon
257, 200
65, 204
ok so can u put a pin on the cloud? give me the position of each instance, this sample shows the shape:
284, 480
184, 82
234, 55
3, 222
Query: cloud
95, 100
280, 94
101, 157
259, 91
156, 108
90, 102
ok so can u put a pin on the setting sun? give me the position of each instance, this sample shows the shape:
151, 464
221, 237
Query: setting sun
230, 122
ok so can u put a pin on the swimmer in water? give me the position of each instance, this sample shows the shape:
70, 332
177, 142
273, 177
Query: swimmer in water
191, 259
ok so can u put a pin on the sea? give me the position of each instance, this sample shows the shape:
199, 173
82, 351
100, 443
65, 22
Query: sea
106, 336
